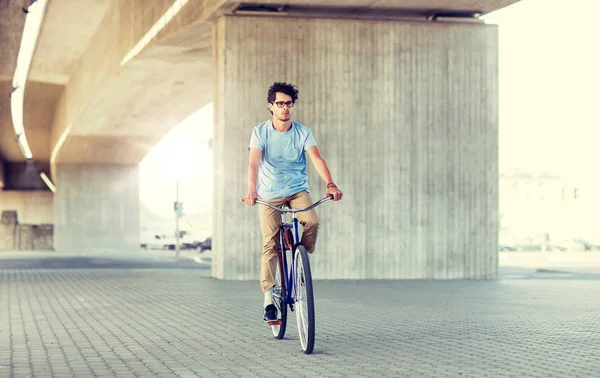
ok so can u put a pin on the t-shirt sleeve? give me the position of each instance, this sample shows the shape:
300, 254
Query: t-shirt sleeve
256, 140
309, 141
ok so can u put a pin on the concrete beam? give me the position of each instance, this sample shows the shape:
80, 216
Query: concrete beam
11, 30
354, 8
40, 104
108, 107
58, 47
49, 78
405, 114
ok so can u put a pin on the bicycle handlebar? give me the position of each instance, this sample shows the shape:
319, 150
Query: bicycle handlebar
329, 197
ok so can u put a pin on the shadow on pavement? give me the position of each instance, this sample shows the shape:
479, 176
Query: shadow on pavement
76, 262
517, 273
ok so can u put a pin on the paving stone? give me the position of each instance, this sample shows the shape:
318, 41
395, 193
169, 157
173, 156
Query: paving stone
173, 322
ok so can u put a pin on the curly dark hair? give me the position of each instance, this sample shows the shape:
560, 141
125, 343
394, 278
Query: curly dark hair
288, 89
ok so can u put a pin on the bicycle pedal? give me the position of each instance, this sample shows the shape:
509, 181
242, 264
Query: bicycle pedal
275, 322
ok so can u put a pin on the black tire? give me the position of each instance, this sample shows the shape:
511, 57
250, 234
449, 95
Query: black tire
279, 330
305, 317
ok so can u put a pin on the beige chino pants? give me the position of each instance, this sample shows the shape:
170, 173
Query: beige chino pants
270, 221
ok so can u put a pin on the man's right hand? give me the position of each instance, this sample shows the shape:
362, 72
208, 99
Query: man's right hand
251, 197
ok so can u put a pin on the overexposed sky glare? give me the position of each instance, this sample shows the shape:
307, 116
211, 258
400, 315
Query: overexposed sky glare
549, 82
183, 152
549, 79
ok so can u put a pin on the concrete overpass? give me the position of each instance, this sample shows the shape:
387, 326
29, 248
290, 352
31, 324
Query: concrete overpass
401, 95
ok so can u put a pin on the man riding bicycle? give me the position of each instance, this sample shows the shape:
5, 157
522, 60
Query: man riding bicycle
277, 174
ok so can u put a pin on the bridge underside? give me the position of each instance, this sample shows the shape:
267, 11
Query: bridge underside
402, 96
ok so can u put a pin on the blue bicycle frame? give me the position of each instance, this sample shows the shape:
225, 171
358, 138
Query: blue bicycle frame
288, 273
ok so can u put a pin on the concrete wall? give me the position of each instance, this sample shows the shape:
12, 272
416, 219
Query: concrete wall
406, 116
8, 230
32, 207
27, 220
32, 237
96, 208
16, 236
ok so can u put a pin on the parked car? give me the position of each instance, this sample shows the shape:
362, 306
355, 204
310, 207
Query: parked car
187, 240
160, 242
579, 245
503, 247
205, 245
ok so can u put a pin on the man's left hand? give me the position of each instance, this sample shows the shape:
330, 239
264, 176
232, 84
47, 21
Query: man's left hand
335, 192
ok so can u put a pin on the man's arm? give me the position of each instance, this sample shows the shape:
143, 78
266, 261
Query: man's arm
319, 164
253, 164
323, 171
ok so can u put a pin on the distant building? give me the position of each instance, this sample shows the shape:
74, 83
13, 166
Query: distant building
544, 205
531, 205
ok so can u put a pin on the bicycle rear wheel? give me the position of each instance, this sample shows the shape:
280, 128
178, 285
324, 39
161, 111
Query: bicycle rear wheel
305, 305
278, 296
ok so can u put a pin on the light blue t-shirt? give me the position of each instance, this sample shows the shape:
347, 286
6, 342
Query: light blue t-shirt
282, 170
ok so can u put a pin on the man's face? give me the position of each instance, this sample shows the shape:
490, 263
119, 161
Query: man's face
282, 106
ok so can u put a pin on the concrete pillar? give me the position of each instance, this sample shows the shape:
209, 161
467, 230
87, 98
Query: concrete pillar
96, 209
405, 114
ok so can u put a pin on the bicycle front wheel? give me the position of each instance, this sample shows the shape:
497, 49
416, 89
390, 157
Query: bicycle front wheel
305, 305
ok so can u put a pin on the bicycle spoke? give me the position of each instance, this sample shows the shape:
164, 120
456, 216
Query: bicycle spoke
304, 300
302, 305
279, 302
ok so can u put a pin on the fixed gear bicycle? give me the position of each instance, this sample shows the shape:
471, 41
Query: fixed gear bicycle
293, 283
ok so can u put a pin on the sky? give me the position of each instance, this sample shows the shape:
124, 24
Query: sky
548, 84
549, 78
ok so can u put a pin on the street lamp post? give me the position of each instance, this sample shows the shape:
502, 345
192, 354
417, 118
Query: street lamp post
178, 162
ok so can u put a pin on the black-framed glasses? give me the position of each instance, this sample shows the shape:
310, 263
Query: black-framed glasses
281, 103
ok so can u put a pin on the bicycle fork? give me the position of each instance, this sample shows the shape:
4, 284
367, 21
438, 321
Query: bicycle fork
287, 242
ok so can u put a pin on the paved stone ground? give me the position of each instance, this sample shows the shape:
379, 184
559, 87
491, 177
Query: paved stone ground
82, 317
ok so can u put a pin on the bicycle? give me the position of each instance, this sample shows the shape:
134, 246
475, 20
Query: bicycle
297, 277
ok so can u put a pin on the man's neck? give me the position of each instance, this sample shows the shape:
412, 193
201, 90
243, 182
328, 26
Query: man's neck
282, 126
